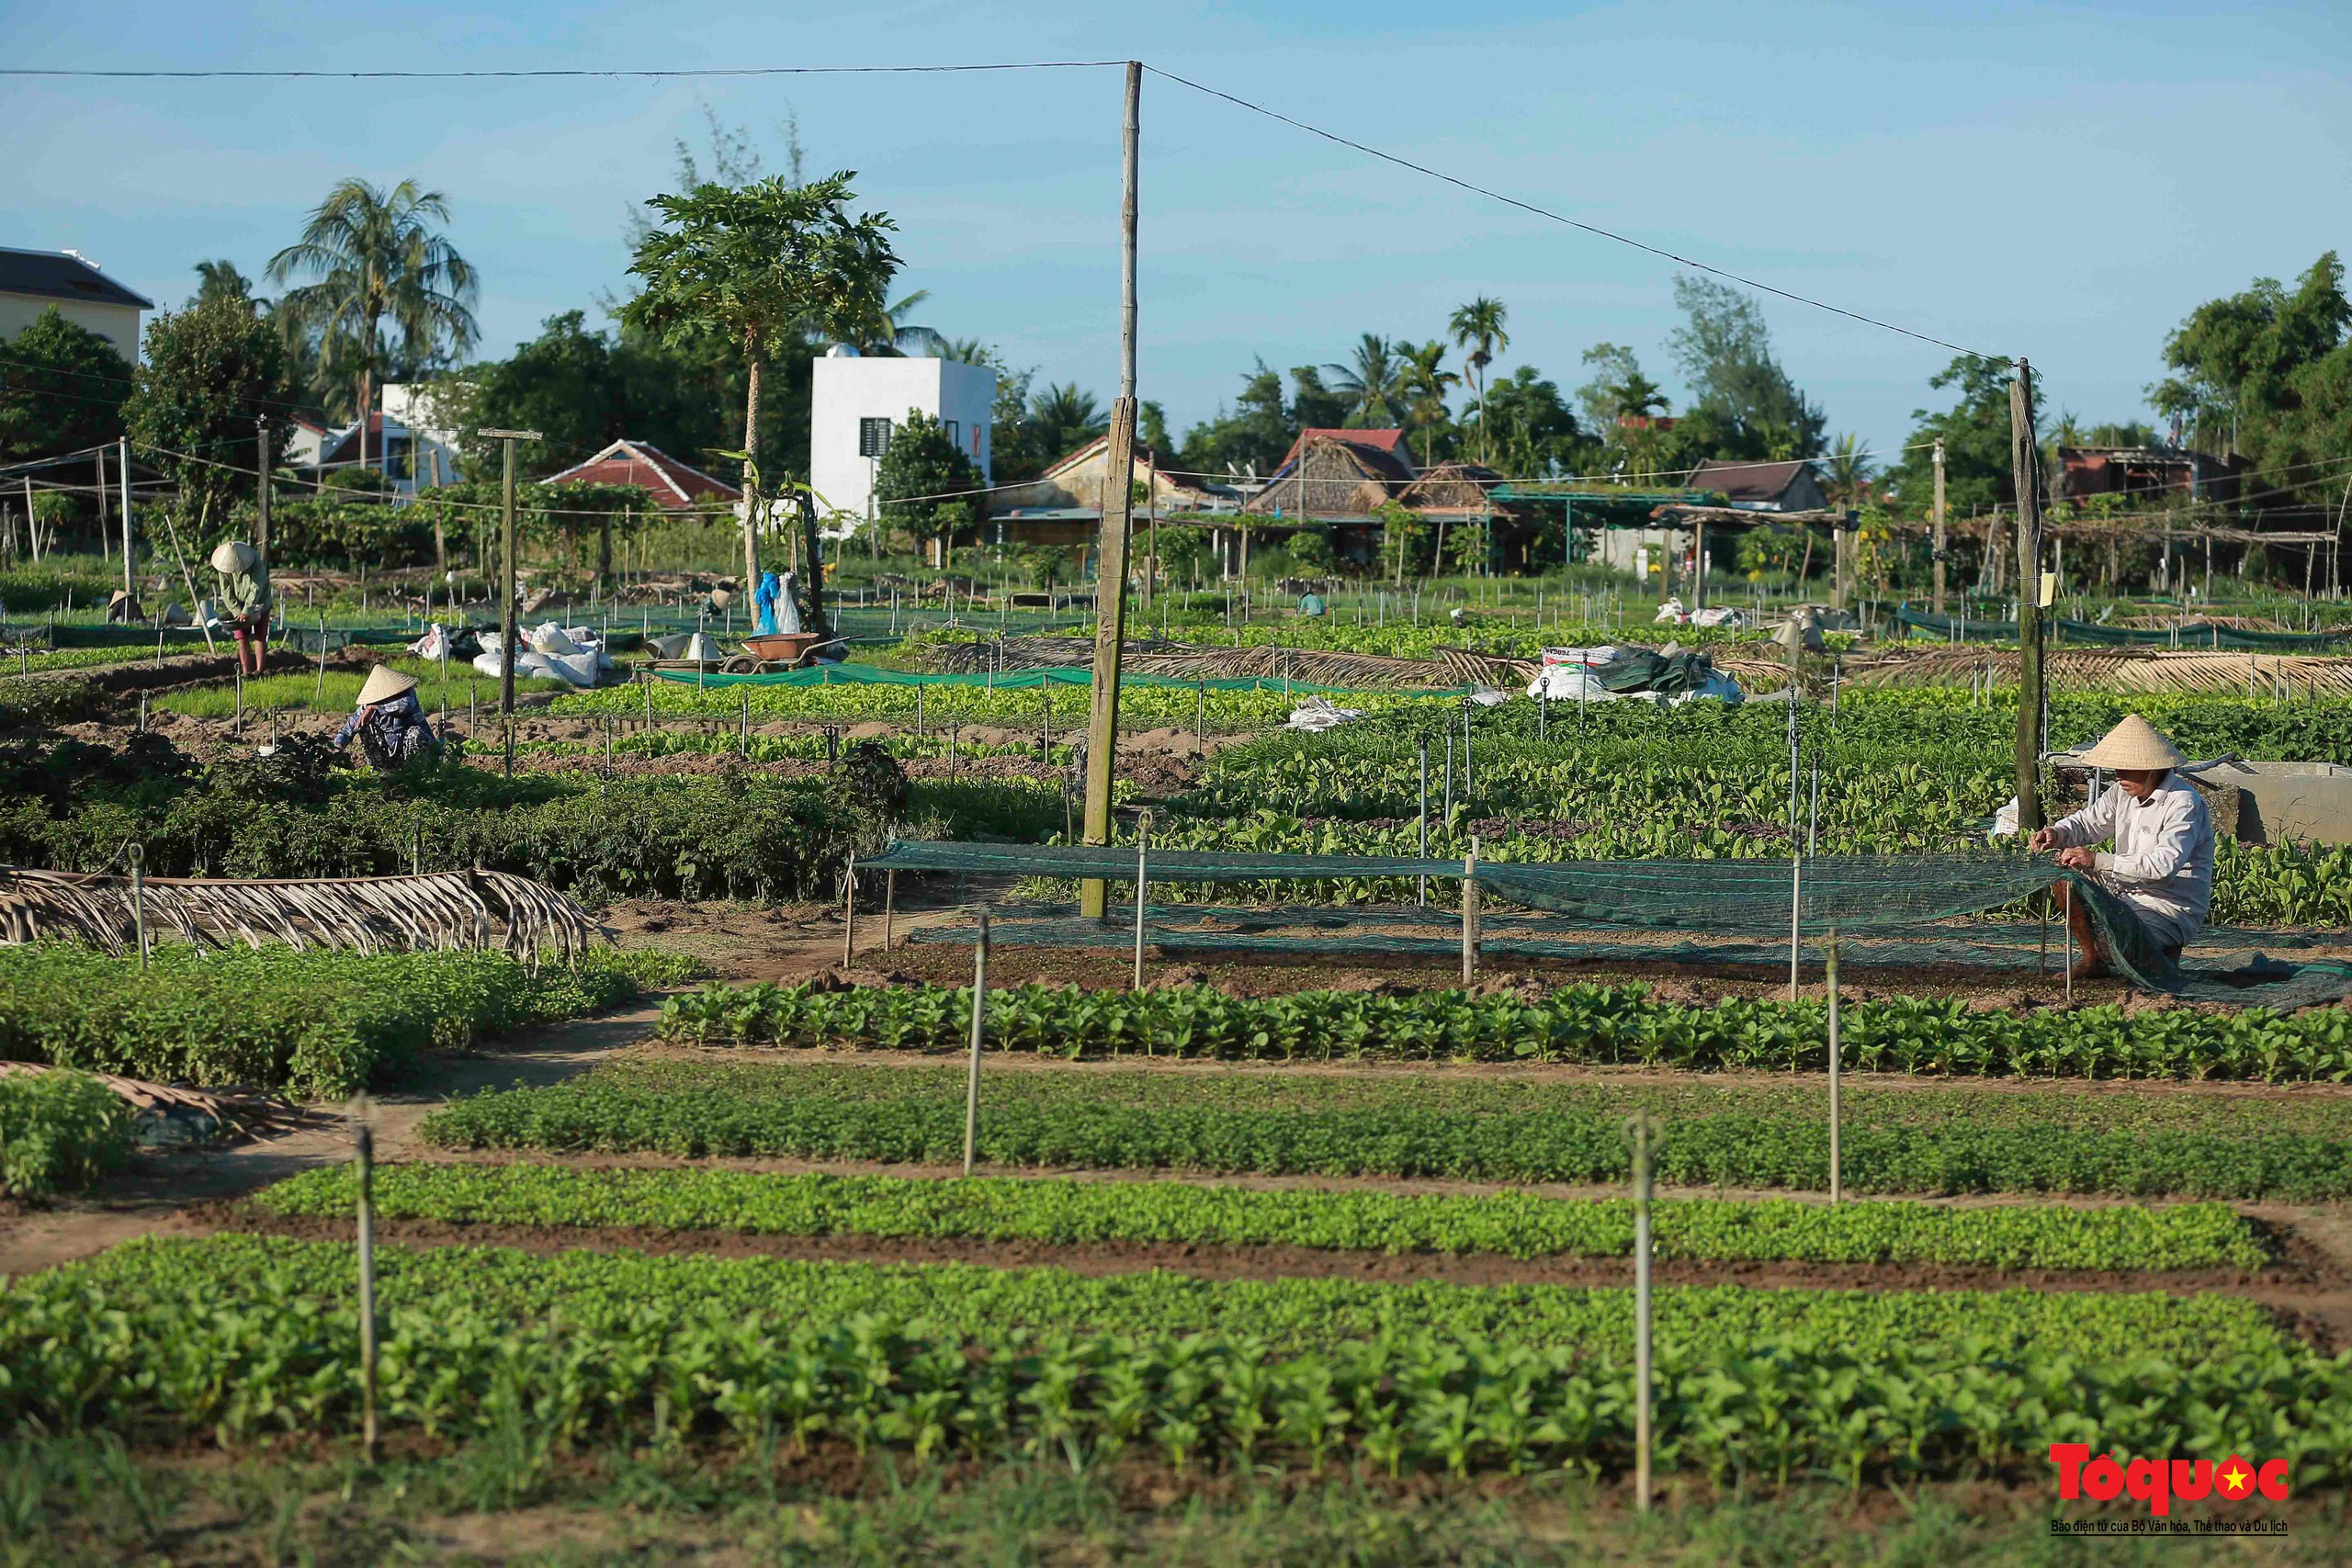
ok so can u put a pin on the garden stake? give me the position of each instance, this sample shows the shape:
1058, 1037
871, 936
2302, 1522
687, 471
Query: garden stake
136, 854
1470, 915
319, 686
849, 910
1796, 904
980, 1010
889, 904
1200, 718
365, 1147
1143, 851
1837, 1174
1423, 897
1638, 1126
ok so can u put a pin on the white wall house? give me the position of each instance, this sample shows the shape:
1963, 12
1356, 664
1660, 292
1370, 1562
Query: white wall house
848, 390
33, 281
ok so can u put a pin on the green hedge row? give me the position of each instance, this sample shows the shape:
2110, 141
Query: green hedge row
59, 1131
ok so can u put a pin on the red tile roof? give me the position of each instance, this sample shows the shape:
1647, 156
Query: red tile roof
674, 484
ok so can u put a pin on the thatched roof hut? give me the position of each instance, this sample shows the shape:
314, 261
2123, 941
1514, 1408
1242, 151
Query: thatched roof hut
1333, 480
1456, 488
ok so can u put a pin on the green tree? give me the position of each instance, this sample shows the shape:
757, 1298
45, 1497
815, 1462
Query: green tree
1480, 328
61, 388
2260, 375
1738, 388
1534, 430
1976, 433
1371, 383
1065, 418
217, 280
1254, 434
208, 371
1424, 381
374, 258
1313, 405
1845, 472
918, 476
757, 265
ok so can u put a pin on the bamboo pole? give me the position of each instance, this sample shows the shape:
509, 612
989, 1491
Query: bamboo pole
1836, 1170
979, 1011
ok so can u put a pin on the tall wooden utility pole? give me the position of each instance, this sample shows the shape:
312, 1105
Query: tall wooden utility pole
1939, 526
2024, 460
1118, 519
506, 638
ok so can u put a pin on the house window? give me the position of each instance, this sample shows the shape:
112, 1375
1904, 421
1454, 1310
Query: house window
955, 429
873, 437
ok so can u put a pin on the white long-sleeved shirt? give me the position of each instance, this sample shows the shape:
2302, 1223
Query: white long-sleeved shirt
2163, 861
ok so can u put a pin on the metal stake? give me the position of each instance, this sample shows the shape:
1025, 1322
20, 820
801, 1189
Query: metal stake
1143, 851
1424, 818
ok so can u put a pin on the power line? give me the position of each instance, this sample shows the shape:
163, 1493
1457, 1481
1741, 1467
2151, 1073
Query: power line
639, 75
1592, 229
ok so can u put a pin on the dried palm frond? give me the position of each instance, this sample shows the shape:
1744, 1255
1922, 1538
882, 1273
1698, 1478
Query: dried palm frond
361, 914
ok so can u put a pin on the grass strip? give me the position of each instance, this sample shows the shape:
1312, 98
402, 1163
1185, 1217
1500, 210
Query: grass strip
238, 1336
1945, 1141
318, 1023
1598, 1024
1513, 1225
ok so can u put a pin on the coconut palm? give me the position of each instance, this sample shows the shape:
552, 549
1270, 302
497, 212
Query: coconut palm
373, 259
1370, 384
1066, 417
1478, 327
1847, 470
1423, 381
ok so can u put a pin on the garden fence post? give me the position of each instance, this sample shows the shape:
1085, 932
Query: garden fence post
137, 853
1470, 914
365, 1147
319, 686
889, 904
849, 910
1797, 906
1837, 1170
979, 1012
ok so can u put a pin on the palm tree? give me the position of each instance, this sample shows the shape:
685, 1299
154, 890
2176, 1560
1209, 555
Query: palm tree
222, 280
878, 334
1370, 382
1637, 397
374, 259
1478, 327
1424, 383
1066, 418
1848, 469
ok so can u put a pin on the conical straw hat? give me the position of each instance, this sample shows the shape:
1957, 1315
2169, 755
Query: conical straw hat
234, 556
2135, 744
384, 683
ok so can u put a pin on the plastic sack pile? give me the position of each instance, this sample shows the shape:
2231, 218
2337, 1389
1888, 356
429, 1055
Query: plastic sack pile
572, 654
1609, 673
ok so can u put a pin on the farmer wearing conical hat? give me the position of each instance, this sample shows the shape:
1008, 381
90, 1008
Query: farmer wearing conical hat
390, 722
2151, 890
244, 600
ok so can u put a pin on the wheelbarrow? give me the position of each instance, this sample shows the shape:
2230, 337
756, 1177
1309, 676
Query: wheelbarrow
787, 650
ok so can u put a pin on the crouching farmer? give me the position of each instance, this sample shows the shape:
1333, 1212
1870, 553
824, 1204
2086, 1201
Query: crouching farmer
390, 722
2149, 894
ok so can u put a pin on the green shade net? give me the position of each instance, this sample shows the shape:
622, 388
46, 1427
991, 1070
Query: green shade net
1916, 909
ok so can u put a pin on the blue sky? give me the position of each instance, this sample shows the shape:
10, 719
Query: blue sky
2060, 181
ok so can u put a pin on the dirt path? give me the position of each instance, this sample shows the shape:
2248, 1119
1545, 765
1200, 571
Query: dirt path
143, 1199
